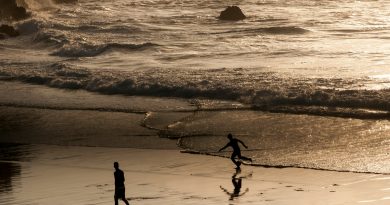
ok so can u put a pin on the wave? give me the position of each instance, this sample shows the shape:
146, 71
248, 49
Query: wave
98, 109
360, 30
263, 91
65, 1
289, 30
86, 50
283, 30
37, 5
95, 27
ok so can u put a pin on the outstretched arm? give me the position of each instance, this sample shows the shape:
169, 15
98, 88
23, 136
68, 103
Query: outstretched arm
242, 143
225, 190
246, 190
227, 145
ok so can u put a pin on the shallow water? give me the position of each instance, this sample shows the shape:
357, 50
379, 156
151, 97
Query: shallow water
292, 140
274, 139
134, 73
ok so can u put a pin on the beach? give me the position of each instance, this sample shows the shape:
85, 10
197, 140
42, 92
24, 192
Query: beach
84, 175
70, 160
158, 85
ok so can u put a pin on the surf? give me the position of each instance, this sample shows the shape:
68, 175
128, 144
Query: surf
281, 96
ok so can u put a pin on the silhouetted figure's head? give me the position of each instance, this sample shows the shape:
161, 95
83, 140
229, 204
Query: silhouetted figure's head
230, 136
116, 165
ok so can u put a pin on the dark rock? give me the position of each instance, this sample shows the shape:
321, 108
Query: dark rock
9, 30
232, 13
2, 36
9, 10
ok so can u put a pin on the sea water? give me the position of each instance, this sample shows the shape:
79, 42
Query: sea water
303, 83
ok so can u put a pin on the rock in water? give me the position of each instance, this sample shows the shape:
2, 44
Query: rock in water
232, 13
9, 10
8, 30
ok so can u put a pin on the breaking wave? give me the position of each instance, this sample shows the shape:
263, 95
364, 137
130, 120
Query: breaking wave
263, 91
36, 4
94, 50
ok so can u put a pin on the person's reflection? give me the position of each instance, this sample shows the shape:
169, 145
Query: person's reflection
237, 183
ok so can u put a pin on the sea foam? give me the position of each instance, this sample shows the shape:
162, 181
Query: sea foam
88, 50
264, 90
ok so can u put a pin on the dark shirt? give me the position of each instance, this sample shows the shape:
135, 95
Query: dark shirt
234, 144
119, 178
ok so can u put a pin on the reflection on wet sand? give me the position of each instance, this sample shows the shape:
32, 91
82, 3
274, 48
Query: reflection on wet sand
237, 183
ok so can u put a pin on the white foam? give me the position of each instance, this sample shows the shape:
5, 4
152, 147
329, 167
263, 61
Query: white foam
267, 92
37, 5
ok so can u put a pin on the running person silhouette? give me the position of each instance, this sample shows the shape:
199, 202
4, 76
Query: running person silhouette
119, 185
233, 142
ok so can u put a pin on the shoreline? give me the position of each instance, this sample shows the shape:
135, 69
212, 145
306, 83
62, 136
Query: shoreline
278, 166
77, 167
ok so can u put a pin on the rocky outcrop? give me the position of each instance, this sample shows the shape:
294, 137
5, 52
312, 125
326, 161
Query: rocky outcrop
9, 10
232, 13
8, 30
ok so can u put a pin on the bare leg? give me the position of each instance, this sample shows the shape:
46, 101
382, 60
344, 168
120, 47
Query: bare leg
246, 158
116, 200
125, 200
234, 160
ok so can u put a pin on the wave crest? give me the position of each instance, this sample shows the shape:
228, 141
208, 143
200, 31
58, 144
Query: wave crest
278, 30
263, 91
87, 50
284, 30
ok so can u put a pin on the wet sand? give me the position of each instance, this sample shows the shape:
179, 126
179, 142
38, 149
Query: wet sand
93, 133
49, 174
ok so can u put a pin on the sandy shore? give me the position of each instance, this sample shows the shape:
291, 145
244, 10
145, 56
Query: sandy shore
84, 175
76, 175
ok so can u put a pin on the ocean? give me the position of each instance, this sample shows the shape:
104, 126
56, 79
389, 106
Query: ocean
303, 83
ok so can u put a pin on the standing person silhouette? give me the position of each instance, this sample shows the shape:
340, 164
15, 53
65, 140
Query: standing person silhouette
233, 142
119, 184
